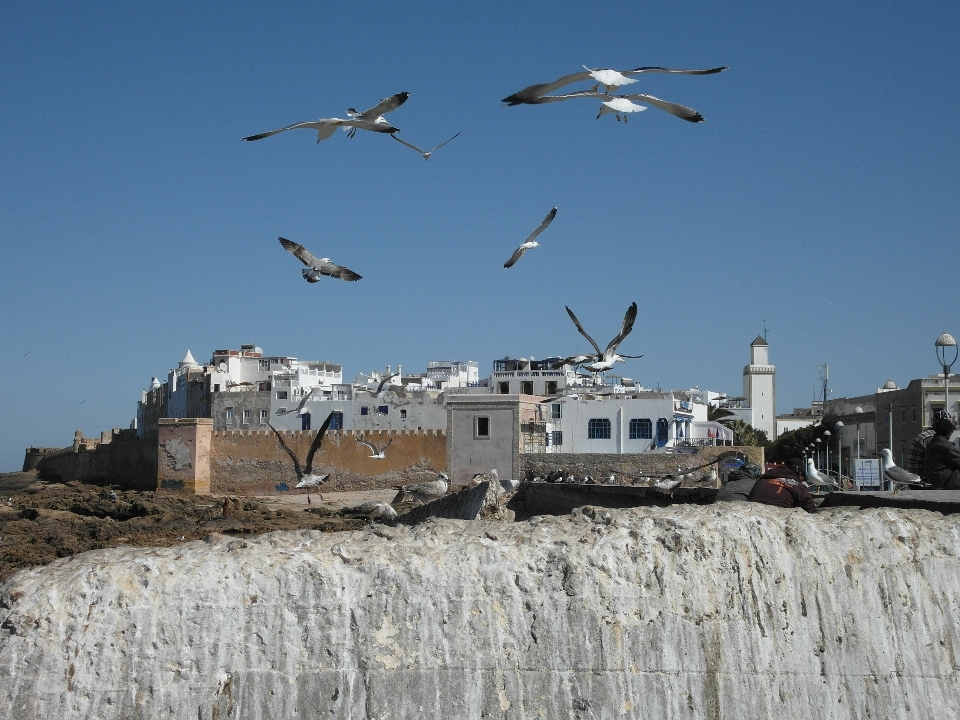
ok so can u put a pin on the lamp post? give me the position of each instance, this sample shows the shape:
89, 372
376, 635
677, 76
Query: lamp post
943, 344
858, 411
818, 441
826, 447
839, 428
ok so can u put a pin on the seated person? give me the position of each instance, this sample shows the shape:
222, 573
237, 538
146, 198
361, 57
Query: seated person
739, 484
781, 486
941, 459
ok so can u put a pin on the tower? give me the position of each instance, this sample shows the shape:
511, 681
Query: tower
759, 387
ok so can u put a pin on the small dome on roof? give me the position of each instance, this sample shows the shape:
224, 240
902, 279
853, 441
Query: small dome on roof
154, 383
188, 360
890, 385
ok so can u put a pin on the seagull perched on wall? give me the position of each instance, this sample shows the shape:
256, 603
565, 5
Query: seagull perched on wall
371, 119
306, 477
299, 408
606, 359
814, 477
898, 476
530, 242
610, 79
425, 492
317, 266
426, 153
378, 453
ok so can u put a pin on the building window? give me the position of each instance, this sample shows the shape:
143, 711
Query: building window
526, 388
336, 421
263, 417
263, 386
554, 437
383, 410
305, 421
229, 413
914, 413
281, 394
598, 429
503, 388
556, 411
903, 414
551, 388
265, 365
246, 417
403, 414
364, 410
641, 429
216, 387
481, 426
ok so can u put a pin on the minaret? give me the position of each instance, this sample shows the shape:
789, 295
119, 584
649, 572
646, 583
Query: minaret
759, 387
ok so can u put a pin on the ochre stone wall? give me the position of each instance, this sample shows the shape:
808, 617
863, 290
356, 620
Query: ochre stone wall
254, 462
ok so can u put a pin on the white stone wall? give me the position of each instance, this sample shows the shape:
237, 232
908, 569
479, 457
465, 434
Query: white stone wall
726, 611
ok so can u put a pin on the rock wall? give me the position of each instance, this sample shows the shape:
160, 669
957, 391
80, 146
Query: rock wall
732, 610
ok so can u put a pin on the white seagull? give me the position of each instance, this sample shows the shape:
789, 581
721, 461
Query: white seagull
299, 408
378, 453
317, 266
426, 153
625, 104
813, 475
306, 475
607, 358
898, 476
375, 510
610, 79
427, 491
530, 242
371, 119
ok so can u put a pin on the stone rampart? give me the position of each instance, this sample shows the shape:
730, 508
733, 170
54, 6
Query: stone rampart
601, 465
126, 461
253, 462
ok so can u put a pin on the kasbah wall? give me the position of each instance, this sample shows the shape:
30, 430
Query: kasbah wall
252, 462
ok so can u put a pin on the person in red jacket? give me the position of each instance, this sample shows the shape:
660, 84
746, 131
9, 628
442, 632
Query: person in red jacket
781, 486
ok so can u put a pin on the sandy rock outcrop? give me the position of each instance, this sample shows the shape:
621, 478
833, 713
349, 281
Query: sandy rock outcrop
734, 610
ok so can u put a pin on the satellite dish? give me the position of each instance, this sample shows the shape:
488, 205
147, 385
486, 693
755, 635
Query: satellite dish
222, 367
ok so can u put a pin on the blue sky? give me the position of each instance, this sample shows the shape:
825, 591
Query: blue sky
818, 200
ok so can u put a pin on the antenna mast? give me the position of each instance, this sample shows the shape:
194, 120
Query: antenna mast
825, 381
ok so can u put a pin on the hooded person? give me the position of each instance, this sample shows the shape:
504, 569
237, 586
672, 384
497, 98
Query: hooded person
941, 460
739, 484
782, 487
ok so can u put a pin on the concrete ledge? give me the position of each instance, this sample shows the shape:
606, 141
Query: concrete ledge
561, 498
941, 501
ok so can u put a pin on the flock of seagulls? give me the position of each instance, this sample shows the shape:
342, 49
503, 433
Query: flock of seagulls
373, 120
605, 81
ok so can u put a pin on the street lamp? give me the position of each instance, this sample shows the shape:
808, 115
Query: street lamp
943, 344
858, 411
818, 441
839, 428
826, 446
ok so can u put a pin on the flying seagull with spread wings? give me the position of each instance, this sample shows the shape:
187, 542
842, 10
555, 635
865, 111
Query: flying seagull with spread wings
378, 452
624, 104
371, 119
606, 359
530, 242
299, 408
610, 79
426, 153
317, 266
306, 476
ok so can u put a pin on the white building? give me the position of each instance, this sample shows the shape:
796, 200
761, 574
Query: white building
759, 390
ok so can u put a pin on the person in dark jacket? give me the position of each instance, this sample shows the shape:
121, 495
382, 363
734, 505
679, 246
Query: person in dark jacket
739, 484
941, 460
781, 486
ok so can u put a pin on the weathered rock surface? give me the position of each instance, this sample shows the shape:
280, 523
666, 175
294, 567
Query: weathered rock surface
738, 610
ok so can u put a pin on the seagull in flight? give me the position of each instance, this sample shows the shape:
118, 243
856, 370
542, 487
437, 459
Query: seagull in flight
317, 266
625, 104
606, 359
371, 119
426, 153
610, 79
378, 453
299, 408
306, 476
530, 242
898, 476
